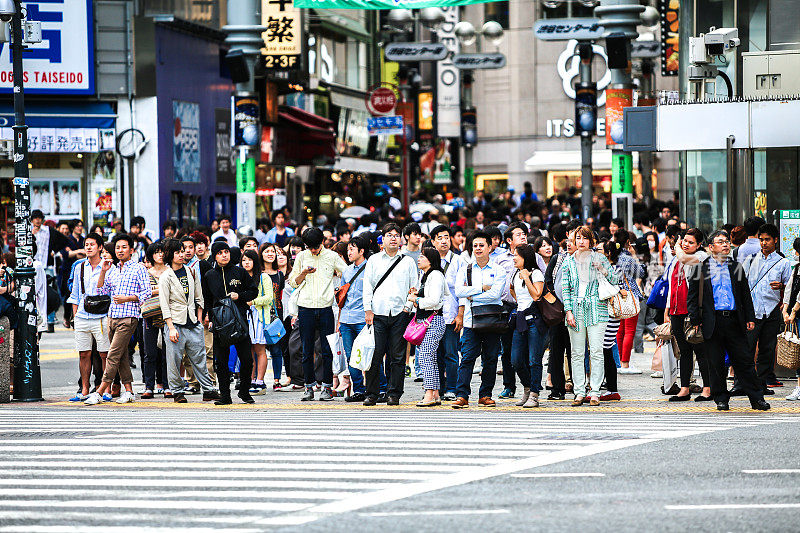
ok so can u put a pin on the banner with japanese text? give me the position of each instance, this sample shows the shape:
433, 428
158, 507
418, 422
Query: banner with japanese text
382, 4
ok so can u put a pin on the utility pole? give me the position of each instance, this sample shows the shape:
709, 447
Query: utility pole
620, 19
244, 31
586, 123
469, 171
27, 374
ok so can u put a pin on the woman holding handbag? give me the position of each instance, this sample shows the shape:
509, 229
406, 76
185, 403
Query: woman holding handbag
428, 302
530, 331
629, 271
271, 268
688, 254
586, 313
257, 321
154, 369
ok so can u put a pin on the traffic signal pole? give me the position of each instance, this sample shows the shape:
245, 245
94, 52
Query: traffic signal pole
587, 134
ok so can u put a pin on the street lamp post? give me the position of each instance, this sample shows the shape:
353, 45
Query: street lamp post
27, 375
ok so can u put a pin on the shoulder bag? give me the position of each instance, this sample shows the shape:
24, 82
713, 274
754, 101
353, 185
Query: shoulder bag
694, 334
551, 308
151, 308
95, 305
488, 318
229, 326
624, 307
342, 290
274, 330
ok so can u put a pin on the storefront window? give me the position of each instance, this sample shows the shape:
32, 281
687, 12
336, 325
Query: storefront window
775, 173
706, 189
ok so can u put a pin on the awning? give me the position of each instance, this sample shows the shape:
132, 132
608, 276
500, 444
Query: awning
544, 161
63, 115
304, 137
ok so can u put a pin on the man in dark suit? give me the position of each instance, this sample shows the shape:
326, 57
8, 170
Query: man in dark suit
725, 313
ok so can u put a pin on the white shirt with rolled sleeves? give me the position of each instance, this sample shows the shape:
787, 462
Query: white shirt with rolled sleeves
391, 296
452, 262
492, 274
505, 259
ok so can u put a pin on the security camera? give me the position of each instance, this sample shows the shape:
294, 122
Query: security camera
7, 10
719, 41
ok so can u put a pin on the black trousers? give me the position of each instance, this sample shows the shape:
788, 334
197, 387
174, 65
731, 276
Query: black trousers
221, 354
154, 369
610, 367
688, 353
389, 342
509, 376
765, 337
729, 337
559, 346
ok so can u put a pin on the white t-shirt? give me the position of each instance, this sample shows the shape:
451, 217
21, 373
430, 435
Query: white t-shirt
230, 237
524, 298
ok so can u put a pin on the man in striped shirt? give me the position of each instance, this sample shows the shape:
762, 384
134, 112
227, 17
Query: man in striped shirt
129, 286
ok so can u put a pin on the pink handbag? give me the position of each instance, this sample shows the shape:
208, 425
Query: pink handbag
415, 331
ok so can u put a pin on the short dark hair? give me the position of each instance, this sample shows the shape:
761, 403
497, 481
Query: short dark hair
37, 213
275, 214
137, 221
313, 237
572, 225
123, 237
152, 250
752, 225
391, 226
483, 235
769, 229
698, 235
171, 247
96, 238
199, 236
188, 238
509, 234
360, 243
493, 232
225, 217
252, 255
433, 257
673, 230
796, 245
169, 224
456, 229
618, 222
244, 240
717, 234
412, 228
74, 224
439, 229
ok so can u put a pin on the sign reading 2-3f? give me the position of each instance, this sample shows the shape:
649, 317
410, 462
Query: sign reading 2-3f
63, 63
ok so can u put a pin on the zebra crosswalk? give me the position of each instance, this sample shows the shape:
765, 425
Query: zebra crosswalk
239, 471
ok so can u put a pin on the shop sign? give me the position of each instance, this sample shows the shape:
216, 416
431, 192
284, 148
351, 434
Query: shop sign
381, 101
392, 125
60, 140
404, 52
448, 79
645, 49
565, 127
245, 175
223, 153
479, 61
382, 4
283, 38
425, 111
586, 29
186, 141
621, 173
670, 26
245, 120
616, 101
63, 63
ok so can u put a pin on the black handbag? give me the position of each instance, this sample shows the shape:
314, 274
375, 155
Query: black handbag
488, 318
228, 324
95, 305
551, 309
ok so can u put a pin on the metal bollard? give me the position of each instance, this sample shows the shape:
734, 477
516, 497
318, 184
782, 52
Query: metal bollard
5, 360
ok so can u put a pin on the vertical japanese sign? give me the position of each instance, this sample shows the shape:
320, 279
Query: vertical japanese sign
223, 151
186, 141
283, 38
448, 80
63, 63
670, 24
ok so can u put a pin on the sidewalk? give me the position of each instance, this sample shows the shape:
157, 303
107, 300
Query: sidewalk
640, 393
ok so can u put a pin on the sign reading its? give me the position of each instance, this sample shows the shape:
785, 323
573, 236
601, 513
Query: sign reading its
392, 125
283, 38
565, 29
186, 141
479, 61
63, 63
401, 52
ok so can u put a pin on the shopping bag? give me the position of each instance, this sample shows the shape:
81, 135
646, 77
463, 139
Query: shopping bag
363, 349
670, 364
656, 366
339, 360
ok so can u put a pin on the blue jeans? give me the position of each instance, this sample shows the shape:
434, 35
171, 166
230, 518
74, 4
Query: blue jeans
487, 346
311, 321
349, 332
447, 357
527, 349
276, 353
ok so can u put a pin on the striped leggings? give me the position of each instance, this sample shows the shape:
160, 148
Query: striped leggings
426, 353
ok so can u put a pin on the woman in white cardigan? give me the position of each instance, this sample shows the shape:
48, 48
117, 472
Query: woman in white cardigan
428, 302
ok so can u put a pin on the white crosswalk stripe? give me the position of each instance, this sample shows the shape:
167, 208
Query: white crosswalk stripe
231, 471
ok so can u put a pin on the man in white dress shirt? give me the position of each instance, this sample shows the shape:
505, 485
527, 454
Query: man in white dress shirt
387, 279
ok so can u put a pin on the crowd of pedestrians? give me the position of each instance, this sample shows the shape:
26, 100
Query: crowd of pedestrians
557, 304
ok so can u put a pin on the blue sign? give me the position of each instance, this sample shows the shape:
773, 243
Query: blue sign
186, 141
392, 125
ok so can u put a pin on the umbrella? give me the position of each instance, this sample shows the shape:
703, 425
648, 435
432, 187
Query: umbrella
424, 207
355, 211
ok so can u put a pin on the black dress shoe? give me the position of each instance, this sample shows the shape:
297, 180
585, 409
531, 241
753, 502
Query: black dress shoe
356, 397
210, 395
224, 400
760, 405
393, 400
702, 398
768, 392
680, 398
245, 397
722, 406
369, 401
382, 398
556, 396
737, 391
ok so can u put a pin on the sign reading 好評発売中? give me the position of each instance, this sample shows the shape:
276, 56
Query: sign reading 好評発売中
383, 4
63, 63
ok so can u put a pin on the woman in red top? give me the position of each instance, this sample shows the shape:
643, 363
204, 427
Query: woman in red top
688, 254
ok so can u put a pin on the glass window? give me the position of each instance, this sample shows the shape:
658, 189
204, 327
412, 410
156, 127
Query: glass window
563, 9
496, 11
352, 63
782, 185
784, 31
340, 63
706, 189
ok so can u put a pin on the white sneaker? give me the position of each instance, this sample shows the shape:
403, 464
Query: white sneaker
629, 370
658, 374
795, 395
93, 399
125, 397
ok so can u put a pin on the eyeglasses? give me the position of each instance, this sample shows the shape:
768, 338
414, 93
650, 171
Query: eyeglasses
718, 241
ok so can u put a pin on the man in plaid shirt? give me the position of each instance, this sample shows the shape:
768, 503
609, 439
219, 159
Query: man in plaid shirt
129, 286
